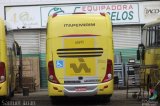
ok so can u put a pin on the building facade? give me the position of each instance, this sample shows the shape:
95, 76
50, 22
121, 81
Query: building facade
28, 20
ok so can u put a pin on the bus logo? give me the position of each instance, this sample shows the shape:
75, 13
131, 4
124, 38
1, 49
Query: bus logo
59, 63
83, 65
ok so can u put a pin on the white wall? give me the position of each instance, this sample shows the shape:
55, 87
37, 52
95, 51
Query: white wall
1, 11
38, 2
36, 16
56, 1
150, 5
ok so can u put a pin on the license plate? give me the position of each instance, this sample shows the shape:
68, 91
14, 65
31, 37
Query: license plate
78, 89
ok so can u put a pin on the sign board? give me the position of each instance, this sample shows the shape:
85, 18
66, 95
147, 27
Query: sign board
36, 16
119, 13
23, 17
150, 11
31, 2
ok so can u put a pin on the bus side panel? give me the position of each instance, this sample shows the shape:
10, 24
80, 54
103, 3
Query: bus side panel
152, 56
8, 56
156, 78
107, 87
54, 89
3, 58
11, 54
3, 89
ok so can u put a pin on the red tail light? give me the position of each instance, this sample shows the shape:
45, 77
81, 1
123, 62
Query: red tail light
54, 15
2, 72
52, 77
109, 71
103, 14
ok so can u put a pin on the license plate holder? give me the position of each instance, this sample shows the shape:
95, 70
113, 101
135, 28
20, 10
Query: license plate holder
80, 89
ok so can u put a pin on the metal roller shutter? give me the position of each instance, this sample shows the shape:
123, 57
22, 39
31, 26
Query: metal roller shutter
126, 40
33, 43
28, 40
43, 59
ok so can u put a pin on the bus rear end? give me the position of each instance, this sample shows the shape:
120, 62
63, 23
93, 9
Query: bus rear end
3, 61
80, 55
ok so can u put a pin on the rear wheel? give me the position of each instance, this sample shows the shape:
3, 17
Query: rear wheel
105, 98
108, 98
53, 99
12, 93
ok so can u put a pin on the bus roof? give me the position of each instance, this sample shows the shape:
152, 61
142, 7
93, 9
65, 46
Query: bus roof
153, 23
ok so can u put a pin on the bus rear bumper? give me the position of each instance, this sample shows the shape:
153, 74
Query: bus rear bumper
81, 89
3, 89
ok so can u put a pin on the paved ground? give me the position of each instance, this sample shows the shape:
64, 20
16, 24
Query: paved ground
41, 98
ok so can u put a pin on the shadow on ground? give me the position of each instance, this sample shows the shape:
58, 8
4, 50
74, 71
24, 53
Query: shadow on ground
82, 101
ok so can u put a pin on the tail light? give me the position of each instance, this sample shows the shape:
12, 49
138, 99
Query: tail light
2, 72
51, 76
54, 15
103, 14
109, 71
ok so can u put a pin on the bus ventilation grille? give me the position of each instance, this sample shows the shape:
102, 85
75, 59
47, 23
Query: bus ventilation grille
79, 52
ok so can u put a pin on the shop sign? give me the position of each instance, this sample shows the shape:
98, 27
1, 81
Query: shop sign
58, 1
150, 12
36, 16
119, 13
23, 17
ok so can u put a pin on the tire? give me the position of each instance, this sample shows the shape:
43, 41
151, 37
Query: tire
105, 99
12, 93
108, 98
53, 99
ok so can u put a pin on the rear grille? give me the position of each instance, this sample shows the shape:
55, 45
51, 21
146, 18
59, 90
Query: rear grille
80, 52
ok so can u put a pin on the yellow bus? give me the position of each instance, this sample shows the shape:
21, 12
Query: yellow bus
8, 52
79, 55
149, 54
